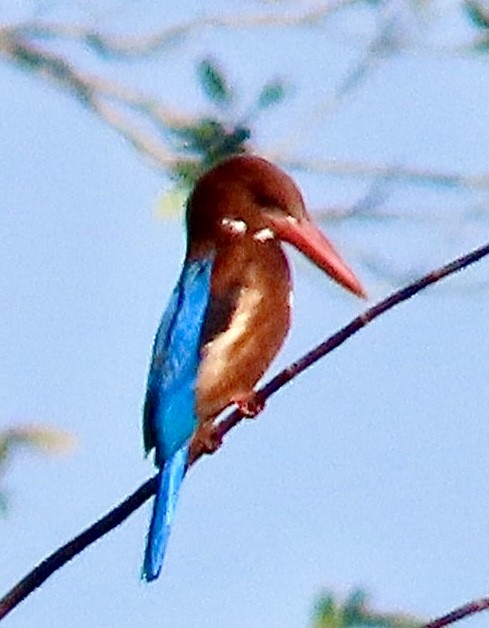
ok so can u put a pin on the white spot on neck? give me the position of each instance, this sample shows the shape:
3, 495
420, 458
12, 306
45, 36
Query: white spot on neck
234, 225
264, 234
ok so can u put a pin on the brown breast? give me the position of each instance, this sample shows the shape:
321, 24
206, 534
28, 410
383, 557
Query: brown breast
246, 324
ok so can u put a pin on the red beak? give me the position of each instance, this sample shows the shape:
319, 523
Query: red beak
305, 236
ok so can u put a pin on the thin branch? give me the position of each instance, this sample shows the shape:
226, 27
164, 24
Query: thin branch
472, 608
117, 515
66, 552
352, 328
355, 77
110, 101
428, 215
143, 121
404, 174
144, 142
109, 46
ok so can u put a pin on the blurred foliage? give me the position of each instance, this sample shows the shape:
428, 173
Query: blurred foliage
214, 83
213, 137
35, 438
271, 94
209, 140
354, 612
478, 13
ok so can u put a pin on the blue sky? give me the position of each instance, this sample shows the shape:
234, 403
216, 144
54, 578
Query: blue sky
369, 470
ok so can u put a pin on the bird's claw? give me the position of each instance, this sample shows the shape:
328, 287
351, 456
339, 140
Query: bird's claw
251, 405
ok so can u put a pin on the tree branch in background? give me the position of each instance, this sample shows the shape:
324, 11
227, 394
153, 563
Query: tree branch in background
126, 110
117, 515
151, 127
403, 174
109, 47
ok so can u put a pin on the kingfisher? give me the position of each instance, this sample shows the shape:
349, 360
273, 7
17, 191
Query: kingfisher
227, 317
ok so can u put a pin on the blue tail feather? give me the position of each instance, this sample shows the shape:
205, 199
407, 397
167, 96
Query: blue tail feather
170, 480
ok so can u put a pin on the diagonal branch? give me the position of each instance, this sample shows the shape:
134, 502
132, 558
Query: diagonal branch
112, 47
117, 515
144, 121
471, 608
133, 114
337, 339
404, 174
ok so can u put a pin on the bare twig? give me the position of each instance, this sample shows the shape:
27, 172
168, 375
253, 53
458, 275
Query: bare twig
134, 115
401, 173
66, 552
109, 46
355, 77
352, 328
144, 121
477, 606
117, 515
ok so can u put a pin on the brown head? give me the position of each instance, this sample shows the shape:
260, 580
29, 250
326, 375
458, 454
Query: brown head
248, 197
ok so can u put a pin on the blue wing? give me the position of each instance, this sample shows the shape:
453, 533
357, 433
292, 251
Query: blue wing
169, 415
169, 409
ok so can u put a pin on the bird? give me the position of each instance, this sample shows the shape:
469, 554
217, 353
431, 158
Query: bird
227, 317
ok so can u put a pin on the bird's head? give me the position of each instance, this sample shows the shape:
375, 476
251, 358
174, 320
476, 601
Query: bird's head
248, 197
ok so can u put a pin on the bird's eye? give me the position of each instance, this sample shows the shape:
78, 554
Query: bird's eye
234, 226
264, 200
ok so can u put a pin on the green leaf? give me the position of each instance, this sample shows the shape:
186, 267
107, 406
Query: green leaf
187, 173
326, 612
354, 608
207, 142
205, 133
272, 94
355, 612
477, 13
214, 83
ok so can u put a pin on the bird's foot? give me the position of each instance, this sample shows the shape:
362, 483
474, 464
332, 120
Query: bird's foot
207, 439
250, 405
